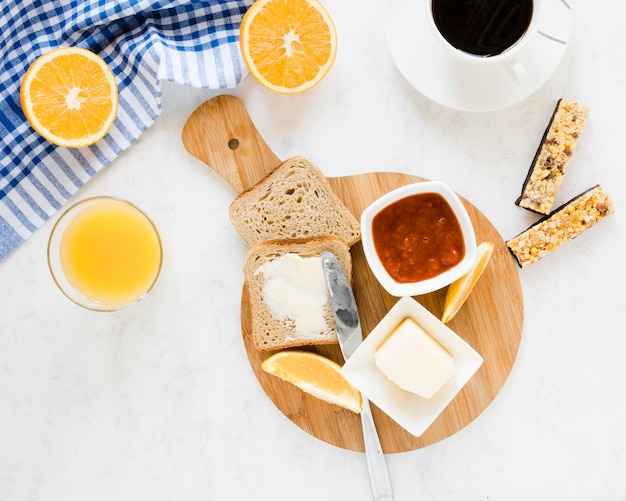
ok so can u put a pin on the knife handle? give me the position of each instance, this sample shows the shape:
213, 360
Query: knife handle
376, 465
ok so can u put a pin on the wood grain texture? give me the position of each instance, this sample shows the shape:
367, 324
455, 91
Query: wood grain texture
490, 321
220, 133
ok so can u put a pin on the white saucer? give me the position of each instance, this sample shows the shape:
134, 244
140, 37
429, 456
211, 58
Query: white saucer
453, 83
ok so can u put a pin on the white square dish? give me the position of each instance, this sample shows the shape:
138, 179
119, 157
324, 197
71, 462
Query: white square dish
414, 413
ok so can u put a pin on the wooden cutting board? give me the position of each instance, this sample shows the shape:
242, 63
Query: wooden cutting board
221, 134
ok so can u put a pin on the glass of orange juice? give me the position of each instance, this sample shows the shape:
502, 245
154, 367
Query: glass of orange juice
104, 253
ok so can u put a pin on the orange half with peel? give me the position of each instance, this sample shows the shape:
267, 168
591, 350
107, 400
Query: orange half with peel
288, 45
69, 96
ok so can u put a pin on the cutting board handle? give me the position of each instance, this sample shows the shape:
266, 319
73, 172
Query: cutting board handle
221, 134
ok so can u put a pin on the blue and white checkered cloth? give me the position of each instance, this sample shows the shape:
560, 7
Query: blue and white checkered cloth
190, 42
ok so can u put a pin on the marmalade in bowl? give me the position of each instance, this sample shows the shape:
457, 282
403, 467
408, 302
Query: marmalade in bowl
418, 237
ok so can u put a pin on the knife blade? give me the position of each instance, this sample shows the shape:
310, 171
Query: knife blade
343, 304
348, 326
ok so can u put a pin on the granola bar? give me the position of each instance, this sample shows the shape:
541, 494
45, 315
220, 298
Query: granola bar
564, 224
554, 152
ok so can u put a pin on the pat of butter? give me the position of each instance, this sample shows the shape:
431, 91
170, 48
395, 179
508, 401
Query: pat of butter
413, 360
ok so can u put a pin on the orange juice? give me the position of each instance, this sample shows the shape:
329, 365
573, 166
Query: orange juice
110, 252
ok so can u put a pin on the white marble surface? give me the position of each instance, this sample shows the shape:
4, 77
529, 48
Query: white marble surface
158, 402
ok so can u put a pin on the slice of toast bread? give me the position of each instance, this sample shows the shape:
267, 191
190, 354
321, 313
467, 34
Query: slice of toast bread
289, 301
294, 201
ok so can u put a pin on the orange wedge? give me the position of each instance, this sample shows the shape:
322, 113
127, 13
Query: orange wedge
459, 291
317, 375
69, 96
288, 45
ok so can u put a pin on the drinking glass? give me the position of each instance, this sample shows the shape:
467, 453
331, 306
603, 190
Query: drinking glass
104, 253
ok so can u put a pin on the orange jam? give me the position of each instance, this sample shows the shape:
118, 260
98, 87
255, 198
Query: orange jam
418, 237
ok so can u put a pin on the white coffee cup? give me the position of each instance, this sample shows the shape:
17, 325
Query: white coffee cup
508, 56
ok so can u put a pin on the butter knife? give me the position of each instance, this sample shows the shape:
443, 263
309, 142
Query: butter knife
350, 337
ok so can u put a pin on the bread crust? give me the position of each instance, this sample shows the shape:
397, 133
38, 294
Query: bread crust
269, 332
294, 201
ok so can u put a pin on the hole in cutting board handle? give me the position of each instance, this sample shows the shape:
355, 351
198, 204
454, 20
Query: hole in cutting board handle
233, 144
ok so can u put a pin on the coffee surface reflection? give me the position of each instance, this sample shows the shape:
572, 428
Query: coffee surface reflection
482, 27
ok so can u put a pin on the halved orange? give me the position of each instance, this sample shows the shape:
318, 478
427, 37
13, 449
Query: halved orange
288, 45
69, 96
317, 375
459, 290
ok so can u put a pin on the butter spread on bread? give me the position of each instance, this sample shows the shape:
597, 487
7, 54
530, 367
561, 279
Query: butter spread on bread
294, 289
294, 201
276, 326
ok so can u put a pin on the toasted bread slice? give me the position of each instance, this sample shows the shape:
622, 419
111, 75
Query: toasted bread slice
289, 300
294, 201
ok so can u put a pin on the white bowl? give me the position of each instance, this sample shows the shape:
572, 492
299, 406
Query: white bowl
414, 413
430, 284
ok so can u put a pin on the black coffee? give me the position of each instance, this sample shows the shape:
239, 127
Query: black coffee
482, 27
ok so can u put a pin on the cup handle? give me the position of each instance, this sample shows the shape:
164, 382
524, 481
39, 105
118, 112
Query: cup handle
519, 72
